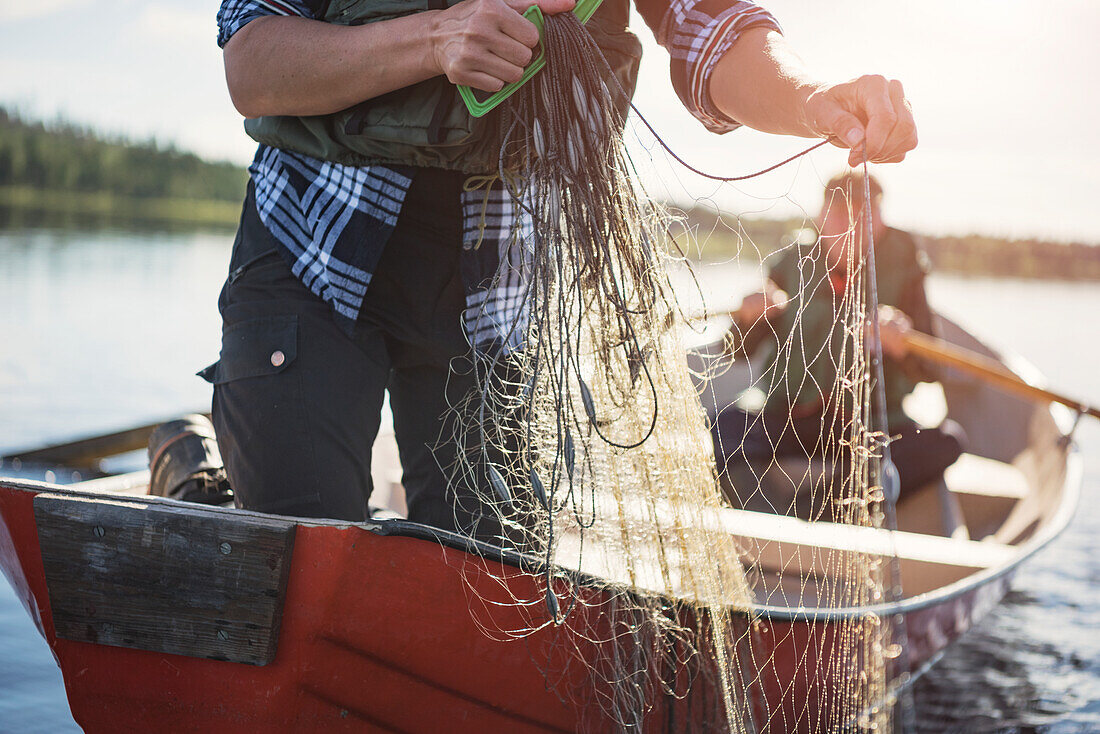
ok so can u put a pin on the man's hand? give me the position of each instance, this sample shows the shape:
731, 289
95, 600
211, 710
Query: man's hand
868, 113
486, 44
893, 326
766, 304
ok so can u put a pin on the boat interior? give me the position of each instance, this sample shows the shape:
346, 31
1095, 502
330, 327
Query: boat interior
1011, 491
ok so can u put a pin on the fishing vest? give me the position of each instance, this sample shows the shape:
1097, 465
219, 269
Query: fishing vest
426, 124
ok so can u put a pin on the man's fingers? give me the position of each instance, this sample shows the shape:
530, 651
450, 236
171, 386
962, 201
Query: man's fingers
553, 7
903, 138
513, 24
548, 7
500, 69
855, 158
513, 52
836, 122
490, 74
881, 117
481, 81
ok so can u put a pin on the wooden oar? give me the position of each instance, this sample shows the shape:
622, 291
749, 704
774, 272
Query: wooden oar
977, 365
87, 452
984, 368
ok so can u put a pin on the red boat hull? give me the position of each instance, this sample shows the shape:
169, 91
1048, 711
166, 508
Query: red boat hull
377, 634
807, 663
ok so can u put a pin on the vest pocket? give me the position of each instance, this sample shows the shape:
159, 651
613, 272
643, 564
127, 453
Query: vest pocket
428, 114
358, 12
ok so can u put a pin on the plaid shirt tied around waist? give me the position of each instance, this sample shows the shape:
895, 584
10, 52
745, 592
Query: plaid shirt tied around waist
333, 220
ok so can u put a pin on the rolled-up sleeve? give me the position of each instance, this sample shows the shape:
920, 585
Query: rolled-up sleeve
235, 14
697, 33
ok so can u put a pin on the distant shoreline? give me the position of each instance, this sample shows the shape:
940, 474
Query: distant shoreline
28, 206
62, 175
722, 238
970, 255
58, 174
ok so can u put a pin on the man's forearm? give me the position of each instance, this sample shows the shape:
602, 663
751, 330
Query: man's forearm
278, 65
761, 82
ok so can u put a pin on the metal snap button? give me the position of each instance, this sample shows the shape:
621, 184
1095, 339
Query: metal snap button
277, 358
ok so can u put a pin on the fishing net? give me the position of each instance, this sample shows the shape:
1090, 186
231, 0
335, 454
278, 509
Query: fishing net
650, 592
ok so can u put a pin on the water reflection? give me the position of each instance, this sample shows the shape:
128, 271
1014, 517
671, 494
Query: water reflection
985, 685
104, 330
19, 218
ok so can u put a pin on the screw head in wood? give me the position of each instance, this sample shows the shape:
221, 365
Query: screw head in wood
225, 548
223, 635
98, 531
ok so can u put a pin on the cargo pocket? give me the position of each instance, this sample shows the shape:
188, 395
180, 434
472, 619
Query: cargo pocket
262, 346
260, 418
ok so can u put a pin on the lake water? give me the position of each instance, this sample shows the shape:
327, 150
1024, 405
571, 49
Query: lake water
105, 330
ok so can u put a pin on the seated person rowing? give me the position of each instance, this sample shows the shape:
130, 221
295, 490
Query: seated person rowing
795, 326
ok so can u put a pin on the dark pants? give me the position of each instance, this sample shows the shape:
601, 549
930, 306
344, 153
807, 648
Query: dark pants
297, 400
743, 439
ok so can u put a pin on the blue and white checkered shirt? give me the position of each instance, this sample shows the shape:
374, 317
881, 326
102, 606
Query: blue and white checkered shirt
334, 220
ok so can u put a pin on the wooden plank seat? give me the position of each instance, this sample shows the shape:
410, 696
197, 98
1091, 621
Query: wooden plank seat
822, 550
987, 491
981, 476
777, 548
984, 490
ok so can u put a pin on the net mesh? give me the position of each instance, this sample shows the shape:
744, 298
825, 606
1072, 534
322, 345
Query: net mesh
672, 598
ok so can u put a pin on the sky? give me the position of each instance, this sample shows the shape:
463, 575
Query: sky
1004, 93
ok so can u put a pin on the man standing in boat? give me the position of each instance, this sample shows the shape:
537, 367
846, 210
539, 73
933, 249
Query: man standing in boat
370, 229
792, 326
